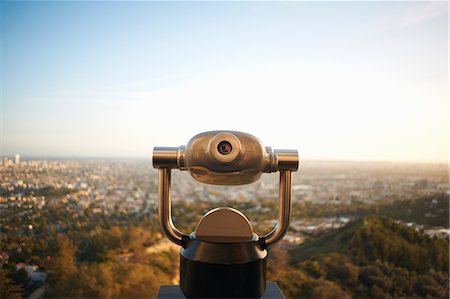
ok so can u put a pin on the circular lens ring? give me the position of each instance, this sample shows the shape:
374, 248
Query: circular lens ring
214, 149
224, 147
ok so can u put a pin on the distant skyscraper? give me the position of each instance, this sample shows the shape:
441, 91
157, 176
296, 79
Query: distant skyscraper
17, 159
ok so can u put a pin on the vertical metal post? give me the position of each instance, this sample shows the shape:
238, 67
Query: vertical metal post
284, 214
164, 208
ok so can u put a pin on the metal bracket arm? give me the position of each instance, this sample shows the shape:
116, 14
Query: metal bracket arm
284, 214
164, 209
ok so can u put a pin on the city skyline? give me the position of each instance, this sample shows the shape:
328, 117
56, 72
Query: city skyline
337, 81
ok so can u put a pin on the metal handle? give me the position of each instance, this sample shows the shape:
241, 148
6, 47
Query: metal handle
164, 209
168, 157
284, 214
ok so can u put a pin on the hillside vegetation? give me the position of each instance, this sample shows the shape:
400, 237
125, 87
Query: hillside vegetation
370, 257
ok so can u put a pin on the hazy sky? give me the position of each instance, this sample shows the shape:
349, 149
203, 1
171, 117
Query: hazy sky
336, 80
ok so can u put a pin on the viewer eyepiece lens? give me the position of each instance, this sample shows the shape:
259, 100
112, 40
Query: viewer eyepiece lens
224, 147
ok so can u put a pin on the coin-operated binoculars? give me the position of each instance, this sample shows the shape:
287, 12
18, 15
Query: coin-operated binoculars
223, 257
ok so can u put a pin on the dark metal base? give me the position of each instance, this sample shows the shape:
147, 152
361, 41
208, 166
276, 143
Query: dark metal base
204, 280
223, 270
174, 292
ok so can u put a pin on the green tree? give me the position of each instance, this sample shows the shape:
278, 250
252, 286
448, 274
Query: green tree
427, 286
63, 269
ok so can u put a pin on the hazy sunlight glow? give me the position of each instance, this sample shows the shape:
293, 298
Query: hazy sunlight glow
341, 80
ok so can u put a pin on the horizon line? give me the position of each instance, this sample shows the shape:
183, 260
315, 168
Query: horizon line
149, 157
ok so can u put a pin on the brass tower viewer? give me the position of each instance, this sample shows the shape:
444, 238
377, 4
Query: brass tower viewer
224, 236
